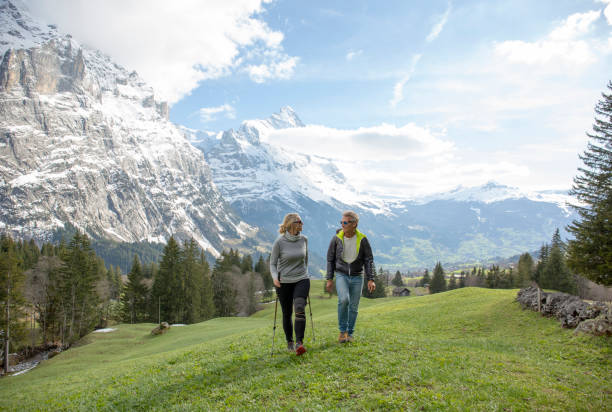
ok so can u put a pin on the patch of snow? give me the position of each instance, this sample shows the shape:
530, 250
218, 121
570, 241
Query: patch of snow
105, 330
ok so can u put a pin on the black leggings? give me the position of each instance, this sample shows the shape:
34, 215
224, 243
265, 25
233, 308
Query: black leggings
289, 295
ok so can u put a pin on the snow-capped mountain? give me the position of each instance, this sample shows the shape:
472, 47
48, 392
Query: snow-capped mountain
247, 169
263, 182
83, 141
494, 192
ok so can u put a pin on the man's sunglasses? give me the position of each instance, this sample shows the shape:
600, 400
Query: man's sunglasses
346, 222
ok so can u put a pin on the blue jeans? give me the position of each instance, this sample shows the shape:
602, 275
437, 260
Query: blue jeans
349, 292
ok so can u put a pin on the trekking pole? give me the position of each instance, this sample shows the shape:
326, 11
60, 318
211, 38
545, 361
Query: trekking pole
311, 321
274, 328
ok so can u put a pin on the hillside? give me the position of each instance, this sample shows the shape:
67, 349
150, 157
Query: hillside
469, 349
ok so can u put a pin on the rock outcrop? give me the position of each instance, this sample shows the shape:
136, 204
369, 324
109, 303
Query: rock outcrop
570, 310
83, 141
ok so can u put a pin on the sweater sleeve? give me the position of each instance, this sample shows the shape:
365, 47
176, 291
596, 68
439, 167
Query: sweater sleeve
306, 257
274, 259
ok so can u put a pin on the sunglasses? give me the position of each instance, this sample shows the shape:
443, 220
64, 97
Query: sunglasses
346, 222
299, 222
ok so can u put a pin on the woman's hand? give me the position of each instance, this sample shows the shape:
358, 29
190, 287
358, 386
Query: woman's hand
276, 283
371, 286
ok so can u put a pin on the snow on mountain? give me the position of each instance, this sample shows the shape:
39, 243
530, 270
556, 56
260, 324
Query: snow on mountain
83, 141
494, 192
245, 168
264, 181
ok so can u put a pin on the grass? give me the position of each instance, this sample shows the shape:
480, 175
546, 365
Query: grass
469, 349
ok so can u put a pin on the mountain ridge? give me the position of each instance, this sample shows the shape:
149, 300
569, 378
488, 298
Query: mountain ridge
84, 141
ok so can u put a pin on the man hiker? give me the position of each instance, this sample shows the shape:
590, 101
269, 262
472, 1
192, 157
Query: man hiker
349, 254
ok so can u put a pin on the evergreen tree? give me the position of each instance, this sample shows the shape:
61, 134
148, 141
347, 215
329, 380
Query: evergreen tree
438, 282
263, 268
543, 259
224, 295
425, 280
462, 279
492, 277
397, 280
379, 292
135, 294
525, 270
555, 273
590, 252
11, 283
192, 276
78, 278
452, 283
167, 291
207, 306
246, 264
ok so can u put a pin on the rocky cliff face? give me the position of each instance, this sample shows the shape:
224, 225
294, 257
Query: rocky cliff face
84, 141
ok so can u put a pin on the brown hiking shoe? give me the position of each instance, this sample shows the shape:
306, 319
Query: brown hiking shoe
342, 337
349, 338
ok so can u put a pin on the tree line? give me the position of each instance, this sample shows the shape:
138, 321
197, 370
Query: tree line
56, 294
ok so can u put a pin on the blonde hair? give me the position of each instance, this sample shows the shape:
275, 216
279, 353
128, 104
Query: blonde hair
287, 221
352, 214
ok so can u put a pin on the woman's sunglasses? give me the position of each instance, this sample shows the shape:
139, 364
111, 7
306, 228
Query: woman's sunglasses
346, 222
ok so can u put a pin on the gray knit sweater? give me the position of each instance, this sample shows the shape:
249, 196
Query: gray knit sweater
289, 258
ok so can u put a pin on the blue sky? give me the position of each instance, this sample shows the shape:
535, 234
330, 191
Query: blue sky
448, 92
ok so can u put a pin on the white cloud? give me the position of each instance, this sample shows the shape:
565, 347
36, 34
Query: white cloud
274, 67
397, 161
209, 114
398, 88
383, 142
608, 10
575, 26
176, 45
567, 44
352, 54
437, 28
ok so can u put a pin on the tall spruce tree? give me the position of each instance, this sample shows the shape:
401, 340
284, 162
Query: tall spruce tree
167, 289
135, 294
78, 278
207, 306
438, 282
11, 282
224, 294
541, 265
525, 270
556, 274
425, 280
590, 252
397, 279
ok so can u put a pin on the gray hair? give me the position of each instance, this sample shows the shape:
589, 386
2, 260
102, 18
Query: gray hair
351, 214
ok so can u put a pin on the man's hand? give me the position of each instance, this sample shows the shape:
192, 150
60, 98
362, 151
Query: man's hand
329, 285
276, 283
371, 286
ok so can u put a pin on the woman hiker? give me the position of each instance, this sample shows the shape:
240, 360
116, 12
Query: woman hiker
348, 255
289, 269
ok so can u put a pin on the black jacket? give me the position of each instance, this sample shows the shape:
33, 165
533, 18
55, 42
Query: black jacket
364, 259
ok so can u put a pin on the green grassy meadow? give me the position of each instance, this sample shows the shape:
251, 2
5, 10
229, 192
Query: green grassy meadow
468, 349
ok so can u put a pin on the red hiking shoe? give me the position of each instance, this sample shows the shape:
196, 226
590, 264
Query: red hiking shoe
299, 349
